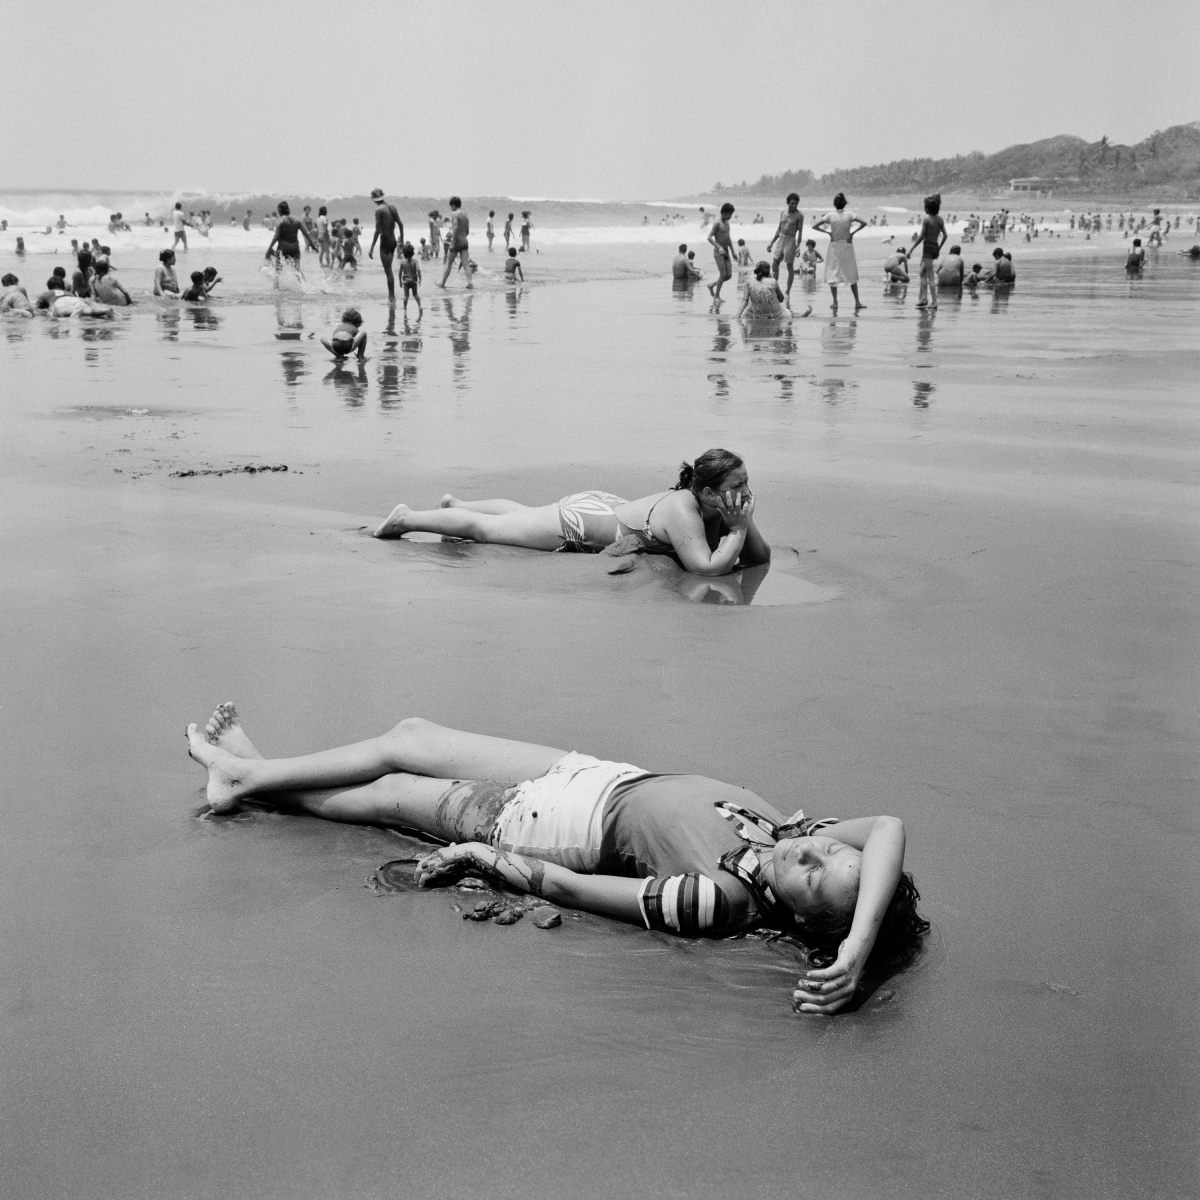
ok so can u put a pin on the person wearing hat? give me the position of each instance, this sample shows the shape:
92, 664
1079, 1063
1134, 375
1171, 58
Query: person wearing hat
387, 222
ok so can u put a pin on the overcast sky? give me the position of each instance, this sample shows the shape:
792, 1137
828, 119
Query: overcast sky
628, 99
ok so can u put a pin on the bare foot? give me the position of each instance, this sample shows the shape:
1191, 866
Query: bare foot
859, 307
394, 525
225, 772
225, 730
807, 312
449, 501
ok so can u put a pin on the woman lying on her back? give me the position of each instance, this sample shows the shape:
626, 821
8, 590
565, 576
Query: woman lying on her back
678, 853
706, 520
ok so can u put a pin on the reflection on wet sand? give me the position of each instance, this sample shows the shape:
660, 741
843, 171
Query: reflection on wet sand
294, 369
922, 393
460, 336
837, 338
350, 382
204, 317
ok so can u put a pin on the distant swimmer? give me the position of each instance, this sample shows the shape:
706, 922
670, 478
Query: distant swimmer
706, 520
165, 282
512, 268
246, 220
348, 338
706, 858
20, 250
705, 218
526, 230
932, 237
788, 234
61, 224
435, 233
491, 228
1193, 253
841, 267
460, 228
743, 254
720, 239
389, 233
179, 224
508, 233
895, 269
285, 242
108, 289
1136, 258
763, 300
410, 276
810, 258
953, 270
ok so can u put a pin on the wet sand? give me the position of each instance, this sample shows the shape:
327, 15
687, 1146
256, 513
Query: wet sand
981, 617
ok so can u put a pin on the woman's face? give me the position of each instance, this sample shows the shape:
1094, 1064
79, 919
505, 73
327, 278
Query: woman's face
816, 873
737, 483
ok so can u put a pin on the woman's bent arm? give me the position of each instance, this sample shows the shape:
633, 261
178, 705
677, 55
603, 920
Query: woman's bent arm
756, 551
607, 895
882, 861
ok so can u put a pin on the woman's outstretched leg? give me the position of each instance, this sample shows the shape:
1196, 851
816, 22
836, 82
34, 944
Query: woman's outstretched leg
533, 528
414, 747
493, 507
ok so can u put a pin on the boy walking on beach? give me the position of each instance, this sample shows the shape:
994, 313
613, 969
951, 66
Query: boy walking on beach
788, 235
932, 236
460, 227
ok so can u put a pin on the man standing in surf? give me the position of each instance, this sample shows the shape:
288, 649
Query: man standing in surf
460, 226
721, 242
389, 230
788, 235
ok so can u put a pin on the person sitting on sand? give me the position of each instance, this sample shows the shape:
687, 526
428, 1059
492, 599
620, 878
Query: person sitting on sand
810, 258
108, 288
764, 301
348, 338
895, 269
974, 277
678, 854
165, 282
694, 272
706, 520
512, 268
198, 292
952, 270
1136, 258
81, 277
679, 264
1002, 273
77, 306
14, 298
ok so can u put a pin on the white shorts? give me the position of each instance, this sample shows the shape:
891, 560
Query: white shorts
559, 816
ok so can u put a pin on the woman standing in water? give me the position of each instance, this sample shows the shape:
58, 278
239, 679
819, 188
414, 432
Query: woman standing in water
841, 267
287, 236
675, 853
706, 519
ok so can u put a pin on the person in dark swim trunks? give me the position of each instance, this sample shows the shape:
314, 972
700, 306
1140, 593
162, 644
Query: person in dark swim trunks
348, 338
706, 520
932, 236
285, 244
389, 233
675, 853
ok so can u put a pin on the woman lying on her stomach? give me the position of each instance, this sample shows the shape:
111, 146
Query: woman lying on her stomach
707, 519
679, 853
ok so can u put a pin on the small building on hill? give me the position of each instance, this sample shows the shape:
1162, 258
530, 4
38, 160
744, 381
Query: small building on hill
1032, 185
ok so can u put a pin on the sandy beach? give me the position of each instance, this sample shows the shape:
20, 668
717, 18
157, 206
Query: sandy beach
981, 616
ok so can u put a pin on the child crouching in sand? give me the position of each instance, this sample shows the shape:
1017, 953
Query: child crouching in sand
347, 338
512, 268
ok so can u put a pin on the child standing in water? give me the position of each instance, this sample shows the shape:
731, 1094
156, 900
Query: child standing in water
491, 228
932, 236
347, 338
512, 268
810, 258
743, 254
410, 276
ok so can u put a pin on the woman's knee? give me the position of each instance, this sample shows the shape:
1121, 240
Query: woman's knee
406, 739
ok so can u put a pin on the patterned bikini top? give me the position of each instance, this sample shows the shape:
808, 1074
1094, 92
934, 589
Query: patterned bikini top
746, 863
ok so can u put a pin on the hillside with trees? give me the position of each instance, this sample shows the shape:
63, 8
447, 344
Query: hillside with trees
1167, 163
